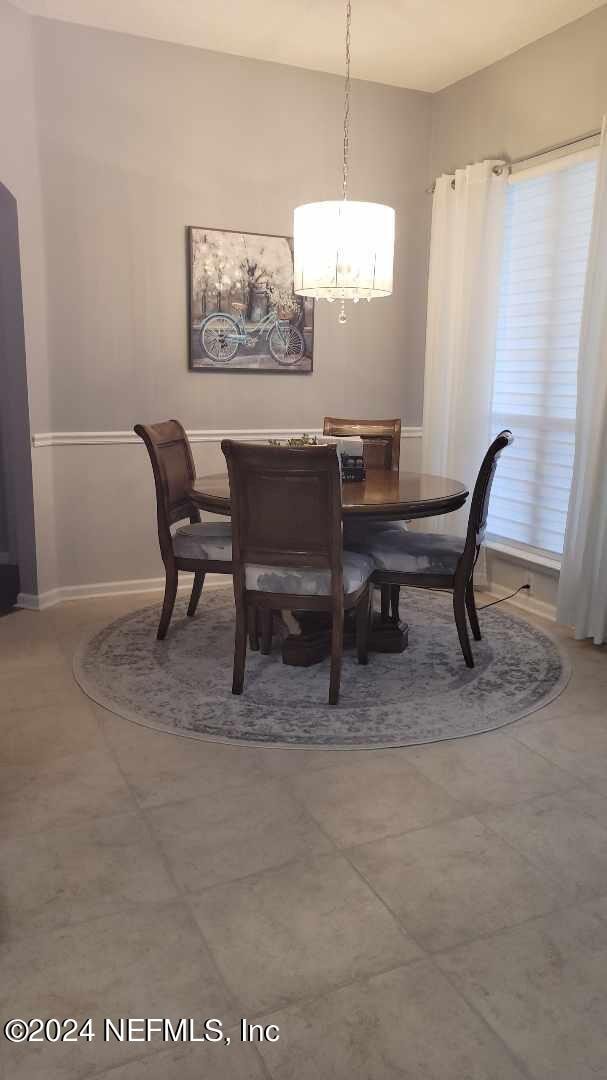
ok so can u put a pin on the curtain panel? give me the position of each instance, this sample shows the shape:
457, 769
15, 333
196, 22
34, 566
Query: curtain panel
582, 598
463, 291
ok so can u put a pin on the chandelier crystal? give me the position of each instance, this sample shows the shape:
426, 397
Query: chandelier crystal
344, 250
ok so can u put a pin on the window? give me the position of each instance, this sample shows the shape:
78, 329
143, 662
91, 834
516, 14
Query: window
547, 235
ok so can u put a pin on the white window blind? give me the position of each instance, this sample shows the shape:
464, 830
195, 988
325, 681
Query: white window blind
547, 235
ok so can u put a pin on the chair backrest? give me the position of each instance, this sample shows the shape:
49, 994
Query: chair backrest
174, 473
286, 506
381, 439
479, 507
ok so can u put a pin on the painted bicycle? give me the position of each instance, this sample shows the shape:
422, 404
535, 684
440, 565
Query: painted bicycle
222, 335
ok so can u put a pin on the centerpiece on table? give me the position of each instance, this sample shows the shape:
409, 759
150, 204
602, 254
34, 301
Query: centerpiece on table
349, 452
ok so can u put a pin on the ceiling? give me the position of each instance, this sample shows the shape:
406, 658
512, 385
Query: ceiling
420, 44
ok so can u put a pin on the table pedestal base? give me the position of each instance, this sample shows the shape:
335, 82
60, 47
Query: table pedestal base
314, 642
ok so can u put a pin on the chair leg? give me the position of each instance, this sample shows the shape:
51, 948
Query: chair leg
459, 610
240, 647
253, 621
385, 602
394, 602
266, 631
337, 645
472, 612
196, 591
170, 592
363, 618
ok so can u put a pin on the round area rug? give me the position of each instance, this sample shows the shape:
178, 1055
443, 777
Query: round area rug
183, 684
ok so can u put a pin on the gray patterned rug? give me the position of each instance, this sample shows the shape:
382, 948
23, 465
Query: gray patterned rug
183, 684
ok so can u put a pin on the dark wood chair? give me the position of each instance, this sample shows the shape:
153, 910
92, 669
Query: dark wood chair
287, 545
381, 450
381, 439
199, 547
436, 561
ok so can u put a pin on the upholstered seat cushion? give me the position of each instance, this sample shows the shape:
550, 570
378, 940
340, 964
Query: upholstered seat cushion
362, 530
411, 552
204, 540
358, 568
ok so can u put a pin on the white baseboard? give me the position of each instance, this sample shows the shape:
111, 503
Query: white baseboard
42, 601
525, 601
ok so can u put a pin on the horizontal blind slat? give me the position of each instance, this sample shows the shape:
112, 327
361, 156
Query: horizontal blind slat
548, 222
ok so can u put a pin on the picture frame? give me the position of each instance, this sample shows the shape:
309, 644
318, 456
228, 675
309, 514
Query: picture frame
243, 314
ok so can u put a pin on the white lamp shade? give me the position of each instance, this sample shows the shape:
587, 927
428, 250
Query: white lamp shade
343, 250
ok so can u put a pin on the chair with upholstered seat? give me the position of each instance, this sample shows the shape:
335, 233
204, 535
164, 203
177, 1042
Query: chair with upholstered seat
436, 561
287, 545
199, 547
381, 439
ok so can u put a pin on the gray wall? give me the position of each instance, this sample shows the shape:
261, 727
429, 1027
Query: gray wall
140, 138
546, 93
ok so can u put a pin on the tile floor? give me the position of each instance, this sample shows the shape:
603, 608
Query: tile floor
434, 913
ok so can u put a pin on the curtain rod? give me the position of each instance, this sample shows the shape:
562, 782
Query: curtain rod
538, 153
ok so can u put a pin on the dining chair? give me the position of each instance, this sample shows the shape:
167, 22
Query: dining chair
381, 450
381, 439
287, 545
436, 561
199, 548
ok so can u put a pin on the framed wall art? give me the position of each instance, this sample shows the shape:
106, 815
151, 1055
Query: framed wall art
243, 313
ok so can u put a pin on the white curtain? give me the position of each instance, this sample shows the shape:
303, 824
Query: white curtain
463, 292
582, 599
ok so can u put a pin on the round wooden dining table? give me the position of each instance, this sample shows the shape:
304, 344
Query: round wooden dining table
384, 495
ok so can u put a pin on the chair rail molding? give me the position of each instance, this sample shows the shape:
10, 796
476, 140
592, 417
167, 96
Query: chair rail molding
205, 435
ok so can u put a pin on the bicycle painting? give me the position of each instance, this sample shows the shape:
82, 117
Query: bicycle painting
244, 315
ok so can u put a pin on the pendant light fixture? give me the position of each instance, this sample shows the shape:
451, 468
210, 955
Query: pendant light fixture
343, 250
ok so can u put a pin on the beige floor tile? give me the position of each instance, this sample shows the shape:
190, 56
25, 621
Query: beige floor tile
454, 882
576, 740
83, 616
586, 692
61, 877
149, 962
542, 988
202, 1061
289, 762
39, 736
30, 653
489, 770
209, 840
407, 1024
384, 796
298, 931
167, 768
61, 793
587, 661
564, 834
27, 689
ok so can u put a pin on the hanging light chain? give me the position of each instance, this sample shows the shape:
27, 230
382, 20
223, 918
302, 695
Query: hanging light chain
342, 318
347, 101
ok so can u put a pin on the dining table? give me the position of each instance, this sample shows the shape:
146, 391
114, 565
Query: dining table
384, 495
